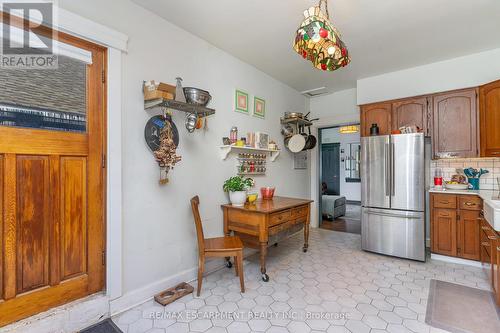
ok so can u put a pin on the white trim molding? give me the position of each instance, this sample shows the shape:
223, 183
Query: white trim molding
455, 260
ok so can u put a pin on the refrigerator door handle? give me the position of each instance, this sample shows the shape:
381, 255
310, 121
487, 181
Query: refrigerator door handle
393, 181
387, 171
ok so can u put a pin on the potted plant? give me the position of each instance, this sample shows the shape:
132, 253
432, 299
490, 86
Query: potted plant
237, 187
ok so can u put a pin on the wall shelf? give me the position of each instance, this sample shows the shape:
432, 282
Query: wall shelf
179, 106
225, 150
297, 121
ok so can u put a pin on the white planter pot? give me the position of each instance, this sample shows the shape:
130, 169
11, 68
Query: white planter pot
238, 198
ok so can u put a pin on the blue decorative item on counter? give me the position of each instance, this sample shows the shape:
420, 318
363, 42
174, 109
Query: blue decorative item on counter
473, 175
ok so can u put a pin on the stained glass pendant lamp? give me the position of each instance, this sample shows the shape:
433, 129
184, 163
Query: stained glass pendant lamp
318, 41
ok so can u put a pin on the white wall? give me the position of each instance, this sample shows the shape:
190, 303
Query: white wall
352, 191
338, 108
159, 240
463, 72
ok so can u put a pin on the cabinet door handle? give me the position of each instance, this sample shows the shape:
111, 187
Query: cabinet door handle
495, 153
485, 228
444, 202
492, 237
470, 204
498, 248
485, 244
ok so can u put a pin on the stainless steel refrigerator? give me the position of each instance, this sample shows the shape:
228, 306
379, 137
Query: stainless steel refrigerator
393, 195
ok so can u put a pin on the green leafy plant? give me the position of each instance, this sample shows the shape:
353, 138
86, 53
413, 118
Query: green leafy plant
237, 183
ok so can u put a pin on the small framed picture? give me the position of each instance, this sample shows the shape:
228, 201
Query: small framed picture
241, 101
259, 107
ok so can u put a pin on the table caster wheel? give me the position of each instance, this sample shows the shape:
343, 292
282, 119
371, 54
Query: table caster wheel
265, 277
229, 264
304, 249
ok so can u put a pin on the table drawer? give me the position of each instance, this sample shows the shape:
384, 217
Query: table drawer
284, 226
300, 212
280, 217
470, 202
444, 201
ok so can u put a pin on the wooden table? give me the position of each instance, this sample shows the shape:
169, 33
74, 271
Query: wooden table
266, 222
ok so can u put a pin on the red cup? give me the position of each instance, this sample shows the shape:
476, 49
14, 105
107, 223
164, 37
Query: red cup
267, 192
438, 181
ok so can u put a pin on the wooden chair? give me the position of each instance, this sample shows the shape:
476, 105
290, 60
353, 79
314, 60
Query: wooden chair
216, 247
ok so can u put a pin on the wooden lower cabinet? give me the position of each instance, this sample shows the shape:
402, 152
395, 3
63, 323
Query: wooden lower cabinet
455, 226
468, 246
444, 231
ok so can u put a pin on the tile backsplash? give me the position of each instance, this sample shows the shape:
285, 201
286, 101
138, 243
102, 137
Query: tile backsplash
487, 181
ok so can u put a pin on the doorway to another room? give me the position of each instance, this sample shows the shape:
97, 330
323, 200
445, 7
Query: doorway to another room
339, 180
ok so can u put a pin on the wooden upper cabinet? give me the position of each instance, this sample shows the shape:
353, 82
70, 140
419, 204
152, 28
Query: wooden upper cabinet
455, 132
380, 114
489, 106
412, 111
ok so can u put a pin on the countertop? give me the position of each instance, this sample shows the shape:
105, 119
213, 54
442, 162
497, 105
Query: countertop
484, 194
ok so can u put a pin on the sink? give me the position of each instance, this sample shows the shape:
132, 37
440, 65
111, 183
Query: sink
492, 213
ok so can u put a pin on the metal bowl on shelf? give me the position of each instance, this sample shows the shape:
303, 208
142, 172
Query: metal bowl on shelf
197, 96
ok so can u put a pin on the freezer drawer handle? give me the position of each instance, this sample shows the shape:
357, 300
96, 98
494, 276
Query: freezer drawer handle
394, 215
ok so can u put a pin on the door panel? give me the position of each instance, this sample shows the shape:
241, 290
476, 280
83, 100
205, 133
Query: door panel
455, 124
410, 112
469, 236
52, 197
393, 232
489, 101
331, 167
444, 231
408, 178
380, 114
73, 216
375, 170
32, 222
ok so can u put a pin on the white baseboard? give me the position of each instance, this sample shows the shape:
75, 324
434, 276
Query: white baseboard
455, 260
146, 293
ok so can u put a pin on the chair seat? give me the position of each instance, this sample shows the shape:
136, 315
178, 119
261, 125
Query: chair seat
223, 244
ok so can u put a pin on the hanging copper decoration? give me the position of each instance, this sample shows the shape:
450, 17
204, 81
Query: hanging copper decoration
318, 41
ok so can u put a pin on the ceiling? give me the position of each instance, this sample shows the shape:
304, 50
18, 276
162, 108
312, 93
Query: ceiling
382, 36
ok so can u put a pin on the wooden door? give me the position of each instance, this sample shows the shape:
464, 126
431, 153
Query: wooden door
411, 111
380, 114
455, 132
52, 193
469, 235
489, 106
444, 231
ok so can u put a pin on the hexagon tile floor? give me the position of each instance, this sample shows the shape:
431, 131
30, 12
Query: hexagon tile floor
334, 287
